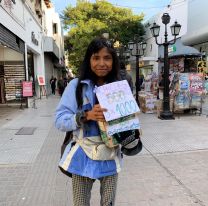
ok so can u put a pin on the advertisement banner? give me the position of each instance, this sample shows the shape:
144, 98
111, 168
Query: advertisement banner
196, 83
41, 80
27, 90
184, 82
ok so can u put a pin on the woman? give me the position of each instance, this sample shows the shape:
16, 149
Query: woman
53, 85
86, 157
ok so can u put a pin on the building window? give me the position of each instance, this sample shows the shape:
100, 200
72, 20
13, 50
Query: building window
54, 28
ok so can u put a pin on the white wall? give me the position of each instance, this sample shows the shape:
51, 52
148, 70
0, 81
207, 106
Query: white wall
13, 18
32, 25
52, 17
197, 15
21, 20
197, 31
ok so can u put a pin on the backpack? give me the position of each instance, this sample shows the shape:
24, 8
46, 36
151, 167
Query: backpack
67, 140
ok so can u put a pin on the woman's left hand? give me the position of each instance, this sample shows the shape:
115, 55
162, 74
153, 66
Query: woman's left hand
96, 113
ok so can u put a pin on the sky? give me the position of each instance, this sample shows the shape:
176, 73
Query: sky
148, 7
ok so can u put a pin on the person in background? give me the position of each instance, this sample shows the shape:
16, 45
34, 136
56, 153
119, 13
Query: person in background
141, 81
79, 111
61, 86
125, 75
65, 82
161, 85
53, 85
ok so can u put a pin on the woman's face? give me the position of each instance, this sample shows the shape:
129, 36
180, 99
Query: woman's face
101, 63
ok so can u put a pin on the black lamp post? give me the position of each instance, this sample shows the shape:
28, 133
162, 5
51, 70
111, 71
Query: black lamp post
140, 47
166, 114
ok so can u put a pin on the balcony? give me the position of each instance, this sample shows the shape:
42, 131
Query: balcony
50, 46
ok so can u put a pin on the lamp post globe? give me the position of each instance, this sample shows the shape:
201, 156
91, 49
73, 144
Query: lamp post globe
155, 30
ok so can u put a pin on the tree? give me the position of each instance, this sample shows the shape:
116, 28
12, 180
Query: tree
89, 20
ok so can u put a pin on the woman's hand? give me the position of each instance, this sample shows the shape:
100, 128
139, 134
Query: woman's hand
96, 113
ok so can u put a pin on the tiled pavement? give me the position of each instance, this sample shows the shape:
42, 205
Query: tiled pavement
172, 169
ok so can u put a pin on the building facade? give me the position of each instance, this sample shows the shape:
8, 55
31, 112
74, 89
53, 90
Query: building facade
197, 27
25, 54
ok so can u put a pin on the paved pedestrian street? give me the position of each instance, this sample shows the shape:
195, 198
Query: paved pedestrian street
171, 170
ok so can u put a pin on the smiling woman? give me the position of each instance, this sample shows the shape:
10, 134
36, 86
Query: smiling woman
79, 111
101, 64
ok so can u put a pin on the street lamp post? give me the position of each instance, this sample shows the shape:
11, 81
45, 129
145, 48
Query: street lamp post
140, 48
166, 114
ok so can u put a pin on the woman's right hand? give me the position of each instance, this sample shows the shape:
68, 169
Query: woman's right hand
96, 113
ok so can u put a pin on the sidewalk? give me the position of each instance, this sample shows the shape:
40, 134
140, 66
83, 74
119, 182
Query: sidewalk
170, 171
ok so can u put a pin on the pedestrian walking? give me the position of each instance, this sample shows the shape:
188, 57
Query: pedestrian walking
79, 111
61, 86
65, 82
125, 75
53, 85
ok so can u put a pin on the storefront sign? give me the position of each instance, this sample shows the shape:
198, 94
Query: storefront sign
172, 49
41, 80
27, 90
33, 38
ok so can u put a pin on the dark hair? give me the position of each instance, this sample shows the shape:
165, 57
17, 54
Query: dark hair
122, 66
85, 71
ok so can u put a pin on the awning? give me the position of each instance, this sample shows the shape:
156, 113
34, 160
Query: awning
59, 66
197, 37
178, 50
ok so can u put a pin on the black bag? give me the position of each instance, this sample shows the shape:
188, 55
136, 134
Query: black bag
67, 140
130, 141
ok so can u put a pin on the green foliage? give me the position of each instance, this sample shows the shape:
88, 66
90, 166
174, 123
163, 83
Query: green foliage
89, 20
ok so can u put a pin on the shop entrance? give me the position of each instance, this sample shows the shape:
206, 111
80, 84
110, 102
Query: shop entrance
12, 73
31, 73
12, 67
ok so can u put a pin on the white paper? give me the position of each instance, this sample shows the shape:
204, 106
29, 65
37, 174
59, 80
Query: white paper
129, 124
118, 99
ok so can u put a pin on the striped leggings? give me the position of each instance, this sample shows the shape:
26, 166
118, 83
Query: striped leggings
82, 187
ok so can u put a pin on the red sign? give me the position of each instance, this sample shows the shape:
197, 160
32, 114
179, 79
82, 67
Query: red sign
27, 89
41, 80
